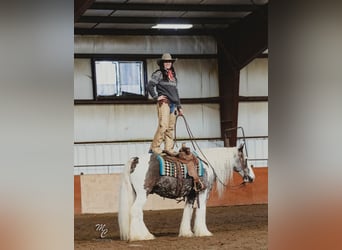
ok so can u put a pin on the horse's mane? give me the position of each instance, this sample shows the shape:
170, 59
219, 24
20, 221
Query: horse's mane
222, 161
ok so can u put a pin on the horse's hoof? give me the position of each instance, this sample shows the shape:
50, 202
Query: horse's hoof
202, 234
187, 235
147, 237
151, 237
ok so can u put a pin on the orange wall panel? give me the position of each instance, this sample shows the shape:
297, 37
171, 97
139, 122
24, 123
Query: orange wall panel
77, 195
250, 193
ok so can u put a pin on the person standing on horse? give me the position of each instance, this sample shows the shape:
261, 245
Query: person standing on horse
163, 88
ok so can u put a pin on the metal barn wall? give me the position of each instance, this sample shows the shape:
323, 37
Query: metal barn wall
110, 123
144, 44
110, 157
83, 83
201, 72
197, 77
253, 116
136, 124
107, 135
254, 78
139, 122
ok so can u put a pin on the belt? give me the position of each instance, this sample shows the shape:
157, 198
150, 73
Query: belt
172, 105
163, 101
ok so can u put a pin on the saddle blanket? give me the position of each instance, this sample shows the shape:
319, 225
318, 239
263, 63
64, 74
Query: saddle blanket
168, 168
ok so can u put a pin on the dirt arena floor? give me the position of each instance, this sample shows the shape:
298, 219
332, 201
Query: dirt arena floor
234, 227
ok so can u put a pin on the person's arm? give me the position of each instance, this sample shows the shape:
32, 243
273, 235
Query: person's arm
155, 78
179, 106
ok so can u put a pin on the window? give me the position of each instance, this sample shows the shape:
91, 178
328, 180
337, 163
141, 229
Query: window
119, 78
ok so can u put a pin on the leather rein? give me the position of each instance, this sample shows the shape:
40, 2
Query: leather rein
206, 161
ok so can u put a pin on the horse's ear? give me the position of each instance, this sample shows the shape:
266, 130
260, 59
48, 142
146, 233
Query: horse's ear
241, 147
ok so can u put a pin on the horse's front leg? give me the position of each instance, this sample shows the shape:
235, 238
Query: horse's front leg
185, 227
200, 226
138, 229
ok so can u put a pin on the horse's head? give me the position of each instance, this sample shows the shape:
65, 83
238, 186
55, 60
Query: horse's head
242, 167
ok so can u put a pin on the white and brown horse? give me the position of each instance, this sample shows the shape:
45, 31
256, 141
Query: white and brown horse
141, 177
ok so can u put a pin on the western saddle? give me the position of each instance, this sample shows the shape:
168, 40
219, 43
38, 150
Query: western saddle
190, 160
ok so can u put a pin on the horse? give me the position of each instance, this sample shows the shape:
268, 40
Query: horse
141, 177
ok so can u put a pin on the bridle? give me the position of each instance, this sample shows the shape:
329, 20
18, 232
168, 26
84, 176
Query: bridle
243, 137
245, 169
246, 177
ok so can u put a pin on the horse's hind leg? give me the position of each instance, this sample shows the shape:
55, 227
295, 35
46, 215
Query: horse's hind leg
200, 226
185, 227
138, 229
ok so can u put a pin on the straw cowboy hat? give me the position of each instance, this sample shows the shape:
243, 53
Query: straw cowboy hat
166, 57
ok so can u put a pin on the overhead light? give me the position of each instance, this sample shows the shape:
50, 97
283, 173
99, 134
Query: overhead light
171, 26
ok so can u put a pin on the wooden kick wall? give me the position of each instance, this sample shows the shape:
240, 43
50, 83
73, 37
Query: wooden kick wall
99, 194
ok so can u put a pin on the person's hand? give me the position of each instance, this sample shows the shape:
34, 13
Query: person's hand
180, 112
162, 97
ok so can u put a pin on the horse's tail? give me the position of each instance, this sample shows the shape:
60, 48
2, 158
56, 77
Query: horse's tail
126, 199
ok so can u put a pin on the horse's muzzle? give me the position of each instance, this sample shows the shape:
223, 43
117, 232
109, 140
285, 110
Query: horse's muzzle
247, 179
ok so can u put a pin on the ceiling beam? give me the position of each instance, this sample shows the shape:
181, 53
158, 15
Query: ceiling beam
242, 47
149, 32
153, 20
237, 46
134, 56
80, 6
175, 7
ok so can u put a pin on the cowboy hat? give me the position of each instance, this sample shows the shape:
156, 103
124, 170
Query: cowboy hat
166, 57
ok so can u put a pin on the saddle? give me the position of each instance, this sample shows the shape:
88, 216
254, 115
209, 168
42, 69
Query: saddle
185, 157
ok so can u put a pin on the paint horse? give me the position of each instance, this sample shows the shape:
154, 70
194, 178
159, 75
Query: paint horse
141, 177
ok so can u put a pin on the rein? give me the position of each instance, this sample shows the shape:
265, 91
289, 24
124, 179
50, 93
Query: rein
193, 142
243, 183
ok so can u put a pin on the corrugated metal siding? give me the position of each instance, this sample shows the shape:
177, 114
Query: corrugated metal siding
254, 78
145, 44
198, 78
139, 122
83, 88
111, 157
253, 117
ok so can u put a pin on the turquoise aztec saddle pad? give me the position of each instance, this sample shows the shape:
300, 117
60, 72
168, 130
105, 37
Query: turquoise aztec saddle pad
168, 168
